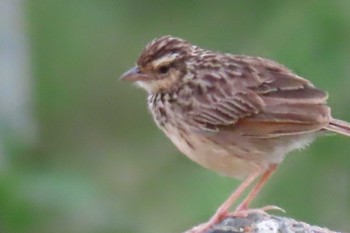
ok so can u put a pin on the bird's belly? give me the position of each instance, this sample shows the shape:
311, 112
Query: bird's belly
235, 160
211, 155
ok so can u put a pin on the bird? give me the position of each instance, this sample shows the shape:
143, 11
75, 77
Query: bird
237, 115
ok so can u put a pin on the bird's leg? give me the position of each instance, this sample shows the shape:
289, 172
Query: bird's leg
243, 207
223, 210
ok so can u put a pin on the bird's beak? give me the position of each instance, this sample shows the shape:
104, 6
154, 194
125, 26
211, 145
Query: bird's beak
132, 75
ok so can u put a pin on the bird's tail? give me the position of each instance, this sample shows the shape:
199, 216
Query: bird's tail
339, 126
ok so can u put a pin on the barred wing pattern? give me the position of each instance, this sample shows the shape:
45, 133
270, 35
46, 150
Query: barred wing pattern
271, 101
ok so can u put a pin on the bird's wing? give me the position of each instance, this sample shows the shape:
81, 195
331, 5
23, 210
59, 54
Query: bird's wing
260, 98
220, 111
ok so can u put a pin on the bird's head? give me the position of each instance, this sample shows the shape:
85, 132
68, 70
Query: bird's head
163, 64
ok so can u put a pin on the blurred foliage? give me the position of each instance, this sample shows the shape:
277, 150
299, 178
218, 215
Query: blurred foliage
101, 165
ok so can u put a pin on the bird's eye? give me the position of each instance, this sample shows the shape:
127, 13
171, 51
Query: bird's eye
163, 69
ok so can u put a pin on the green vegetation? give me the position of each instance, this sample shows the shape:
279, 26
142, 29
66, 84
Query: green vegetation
100, 165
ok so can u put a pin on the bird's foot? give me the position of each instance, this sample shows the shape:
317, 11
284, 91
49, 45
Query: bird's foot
220, 215
238, 213
244, 212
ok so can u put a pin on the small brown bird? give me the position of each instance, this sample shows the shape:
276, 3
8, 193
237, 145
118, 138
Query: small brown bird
236, 115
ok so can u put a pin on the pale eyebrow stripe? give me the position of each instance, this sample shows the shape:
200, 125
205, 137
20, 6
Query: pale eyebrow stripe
165, 59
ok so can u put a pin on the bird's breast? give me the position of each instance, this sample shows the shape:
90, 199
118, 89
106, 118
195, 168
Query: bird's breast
226, 152
209, 154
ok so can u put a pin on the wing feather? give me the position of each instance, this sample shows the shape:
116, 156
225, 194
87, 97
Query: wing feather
269, 101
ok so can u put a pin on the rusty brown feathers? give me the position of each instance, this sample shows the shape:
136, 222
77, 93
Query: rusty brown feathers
216, 90
237, 115
209, 97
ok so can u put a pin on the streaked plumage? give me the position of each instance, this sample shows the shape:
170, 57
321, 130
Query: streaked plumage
237, 115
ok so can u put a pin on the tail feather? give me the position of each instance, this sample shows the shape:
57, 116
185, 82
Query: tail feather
339, 126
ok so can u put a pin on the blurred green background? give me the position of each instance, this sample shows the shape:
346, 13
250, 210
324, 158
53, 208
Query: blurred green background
79, 151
